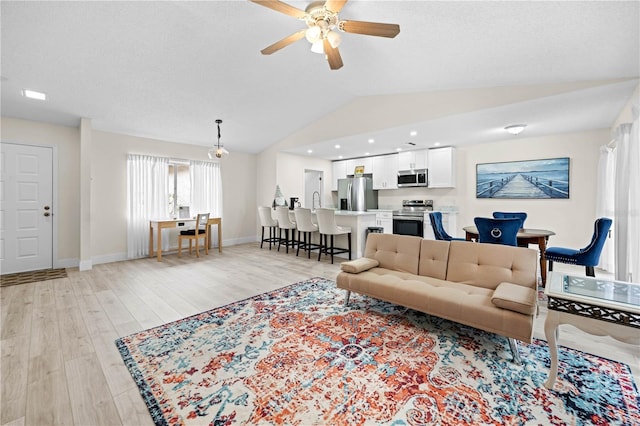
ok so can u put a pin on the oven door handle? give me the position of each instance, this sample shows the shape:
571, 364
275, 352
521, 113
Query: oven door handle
409, 219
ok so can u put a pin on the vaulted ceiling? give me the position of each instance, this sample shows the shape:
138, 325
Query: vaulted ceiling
167, 70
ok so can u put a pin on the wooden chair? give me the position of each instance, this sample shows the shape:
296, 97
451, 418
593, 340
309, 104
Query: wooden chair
200, 231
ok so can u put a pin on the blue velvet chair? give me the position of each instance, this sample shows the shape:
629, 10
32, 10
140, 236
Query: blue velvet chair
498, 231
509, 215
438, 229
588, 256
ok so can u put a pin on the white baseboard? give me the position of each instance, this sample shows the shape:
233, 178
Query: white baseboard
85, 265
118, 257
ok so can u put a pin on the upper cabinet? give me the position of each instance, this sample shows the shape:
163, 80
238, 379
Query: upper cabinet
385, 171
442, 167
359, 162
410, 160
344, 168
339, 172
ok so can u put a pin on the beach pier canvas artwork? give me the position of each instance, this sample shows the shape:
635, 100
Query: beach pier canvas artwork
547, 178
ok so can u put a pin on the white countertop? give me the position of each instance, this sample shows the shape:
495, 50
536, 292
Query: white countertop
352, 213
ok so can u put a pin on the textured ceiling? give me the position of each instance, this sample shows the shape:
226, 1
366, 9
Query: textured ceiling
167, 70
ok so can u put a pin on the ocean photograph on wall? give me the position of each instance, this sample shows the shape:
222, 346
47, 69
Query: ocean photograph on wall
546, 178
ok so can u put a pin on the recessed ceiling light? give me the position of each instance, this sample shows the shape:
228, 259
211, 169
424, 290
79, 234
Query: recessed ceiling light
436, 144
366, 153
32, 94
340, 157
515, 129
398, 149
337, 146
413, 133
371, 141
309, 151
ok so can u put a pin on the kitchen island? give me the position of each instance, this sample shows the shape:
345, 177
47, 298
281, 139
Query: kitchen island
358, 222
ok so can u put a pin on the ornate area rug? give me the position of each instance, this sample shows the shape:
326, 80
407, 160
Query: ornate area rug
298, 356
32, 276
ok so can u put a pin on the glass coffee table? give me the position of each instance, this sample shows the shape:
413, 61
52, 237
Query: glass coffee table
596, 306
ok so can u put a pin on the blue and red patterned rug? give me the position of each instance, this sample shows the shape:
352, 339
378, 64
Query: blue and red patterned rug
298, 356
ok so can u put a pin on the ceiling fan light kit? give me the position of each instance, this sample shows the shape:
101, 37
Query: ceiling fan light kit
323, 24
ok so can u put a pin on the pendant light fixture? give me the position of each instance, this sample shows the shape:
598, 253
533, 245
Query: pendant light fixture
217, 151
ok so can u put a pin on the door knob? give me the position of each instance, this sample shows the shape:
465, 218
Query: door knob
47, 214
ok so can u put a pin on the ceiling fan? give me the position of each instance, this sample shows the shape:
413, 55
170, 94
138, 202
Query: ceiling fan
321, 18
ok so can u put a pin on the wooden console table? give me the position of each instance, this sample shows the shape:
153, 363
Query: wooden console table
161, 224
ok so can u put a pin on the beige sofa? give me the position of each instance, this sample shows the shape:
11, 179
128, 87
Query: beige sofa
487, 286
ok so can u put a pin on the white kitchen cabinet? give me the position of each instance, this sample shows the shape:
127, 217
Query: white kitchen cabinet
339, 172
344, 168
442, 167
355, 162
449, 223
385, 220
385, 171
411, 160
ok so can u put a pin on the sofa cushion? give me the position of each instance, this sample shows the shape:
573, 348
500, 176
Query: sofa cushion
434, 255
358, 265
395, 252
515, 298
488, 265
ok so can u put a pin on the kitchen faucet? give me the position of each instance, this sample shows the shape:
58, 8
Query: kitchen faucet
313, 201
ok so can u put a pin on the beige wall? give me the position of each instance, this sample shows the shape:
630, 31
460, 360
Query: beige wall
66, 141
108, 186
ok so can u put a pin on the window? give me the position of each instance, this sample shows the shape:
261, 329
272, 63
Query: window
179, 185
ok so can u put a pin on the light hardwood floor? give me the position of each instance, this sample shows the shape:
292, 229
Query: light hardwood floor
60, 364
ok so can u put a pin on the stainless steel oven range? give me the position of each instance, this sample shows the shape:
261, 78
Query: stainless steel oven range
409, 220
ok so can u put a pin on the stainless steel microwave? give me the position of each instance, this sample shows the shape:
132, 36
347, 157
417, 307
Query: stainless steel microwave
417, 177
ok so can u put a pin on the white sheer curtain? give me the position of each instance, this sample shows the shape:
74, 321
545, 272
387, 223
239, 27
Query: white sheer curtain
627, 191
206, 188
147, 198
634, 197
605, 201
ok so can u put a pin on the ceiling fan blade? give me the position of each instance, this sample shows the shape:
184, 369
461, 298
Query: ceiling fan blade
283, 43
370, 28
335, 5
333, 55
281, 7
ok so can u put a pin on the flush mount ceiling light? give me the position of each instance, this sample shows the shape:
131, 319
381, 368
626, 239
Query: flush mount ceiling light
323, 24
217, 151
32, 94
515, 129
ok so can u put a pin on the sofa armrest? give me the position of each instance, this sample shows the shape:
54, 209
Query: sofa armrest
358, 265
515, 298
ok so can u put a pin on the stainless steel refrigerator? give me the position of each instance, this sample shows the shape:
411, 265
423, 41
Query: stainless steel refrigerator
357, 194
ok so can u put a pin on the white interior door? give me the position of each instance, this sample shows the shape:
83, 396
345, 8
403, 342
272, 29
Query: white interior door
26, 208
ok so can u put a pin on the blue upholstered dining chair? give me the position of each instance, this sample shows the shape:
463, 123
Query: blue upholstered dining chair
509, 215
438, 229
588, 256
498, 231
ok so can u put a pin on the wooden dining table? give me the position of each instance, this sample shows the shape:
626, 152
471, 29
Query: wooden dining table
160, 224
525, 237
